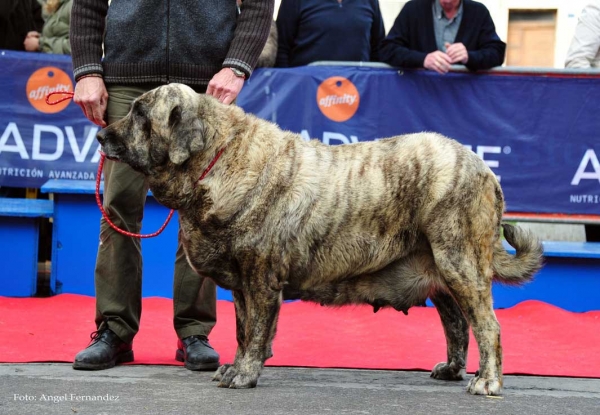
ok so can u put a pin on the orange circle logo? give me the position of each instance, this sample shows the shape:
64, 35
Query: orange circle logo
44, 81
338, 98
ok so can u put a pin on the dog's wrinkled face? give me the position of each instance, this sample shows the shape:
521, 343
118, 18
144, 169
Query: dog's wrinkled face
162, 127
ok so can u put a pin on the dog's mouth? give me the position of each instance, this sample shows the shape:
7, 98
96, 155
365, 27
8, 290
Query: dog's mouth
119, 155
113, 152
110, 155
112, 158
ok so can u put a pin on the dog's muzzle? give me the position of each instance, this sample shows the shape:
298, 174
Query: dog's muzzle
103, 137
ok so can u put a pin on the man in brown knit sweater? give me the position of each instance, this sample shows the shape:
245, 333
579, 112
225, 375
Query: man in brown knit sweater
204, 44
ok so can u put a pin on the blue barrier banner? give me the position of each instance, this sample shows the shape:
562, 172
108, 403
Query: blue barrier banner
39, 142
539, 134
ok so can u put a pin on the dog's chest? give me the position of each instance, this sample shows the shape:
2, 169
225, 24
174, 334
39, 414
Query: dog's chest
208, 249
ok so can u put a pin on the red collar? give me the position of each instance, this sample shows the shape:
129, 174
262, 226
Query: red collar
210, 166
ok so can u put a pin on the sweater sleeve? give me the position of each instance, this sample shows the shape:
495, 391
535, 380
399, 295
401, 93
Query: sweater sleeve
490, 49
586, 41
396, 47
251, 33
86, 33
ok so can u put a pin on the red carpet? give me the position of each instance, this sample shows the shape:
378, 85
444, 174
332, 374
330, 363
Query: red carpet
538, 339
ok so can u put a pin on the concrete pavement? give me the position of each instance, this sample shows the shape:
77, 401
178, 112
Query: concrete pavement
27, 389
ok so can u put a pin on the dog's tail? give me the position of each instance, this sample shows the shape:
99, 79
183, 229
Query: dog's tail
520, 268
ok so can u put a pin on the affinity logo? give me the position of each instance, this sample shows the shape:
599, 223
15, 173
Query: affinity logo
46, 80
338, 98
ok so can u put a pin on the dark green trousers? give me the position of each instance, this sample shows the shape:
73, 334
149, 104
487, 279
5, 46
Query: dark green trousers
118, 275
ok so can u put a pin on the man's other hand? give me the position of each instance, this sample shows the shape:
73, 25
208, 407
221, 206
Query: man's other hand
457, 52
225, 86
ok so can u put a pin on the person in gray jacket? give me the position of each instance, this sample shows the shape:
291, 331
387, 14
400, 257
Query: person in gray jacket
211, 48
54, 37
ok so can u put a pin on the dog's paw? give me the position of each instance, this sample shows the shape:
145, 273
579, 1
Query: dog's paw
234, 378
228, 372
244, 381
220, 372
445, 371
482, 386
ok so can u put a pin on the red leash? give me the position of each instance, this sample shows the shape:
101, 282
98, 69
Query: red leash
112, 225
69, 95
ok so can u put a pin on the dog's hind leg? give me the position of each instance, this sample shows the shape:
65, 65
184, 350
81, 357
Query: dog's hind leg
456, 329
468, 275
462, 231
261, 311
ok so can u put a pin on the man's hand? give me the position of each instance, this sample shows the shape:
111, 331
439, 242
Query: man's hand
457, 52
91, 96
32, 41
438, 61
225, 86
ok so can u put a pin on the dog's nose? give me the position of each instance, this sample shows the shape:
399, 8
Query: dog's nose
101, 136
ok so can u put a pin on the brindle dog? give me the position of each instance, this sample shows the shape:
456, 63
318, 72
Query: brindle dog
388, 223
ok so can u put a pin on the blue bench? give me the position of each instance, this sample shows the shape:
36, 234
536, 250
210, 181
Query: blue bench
570, 278
75, 239
19, 236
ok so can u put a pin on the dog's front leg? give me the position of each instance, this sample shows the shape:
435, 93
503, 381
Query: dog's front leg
262, 306
240, 330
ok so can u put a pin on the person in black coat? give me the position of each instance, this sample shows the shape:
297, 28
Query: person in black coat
435, 34
17, 18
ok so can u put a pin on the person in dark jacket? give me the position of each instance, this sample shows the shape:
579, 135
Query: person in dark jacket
316, 30
17, 19
435, 34
204, 44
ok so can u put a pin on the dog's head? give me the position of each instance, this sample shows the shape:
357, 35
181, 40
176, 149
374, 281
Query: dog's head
162, 127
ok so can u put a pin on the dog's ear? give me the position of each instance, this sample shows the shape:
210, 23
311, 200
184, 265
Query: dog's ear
186, 135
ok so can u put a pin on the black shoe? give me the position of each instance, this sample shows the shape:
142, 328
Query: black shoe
105, 351
197, 353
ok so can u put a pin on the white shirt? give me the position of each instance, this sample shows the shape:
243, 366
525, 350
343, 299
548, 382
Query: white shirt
584, 51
